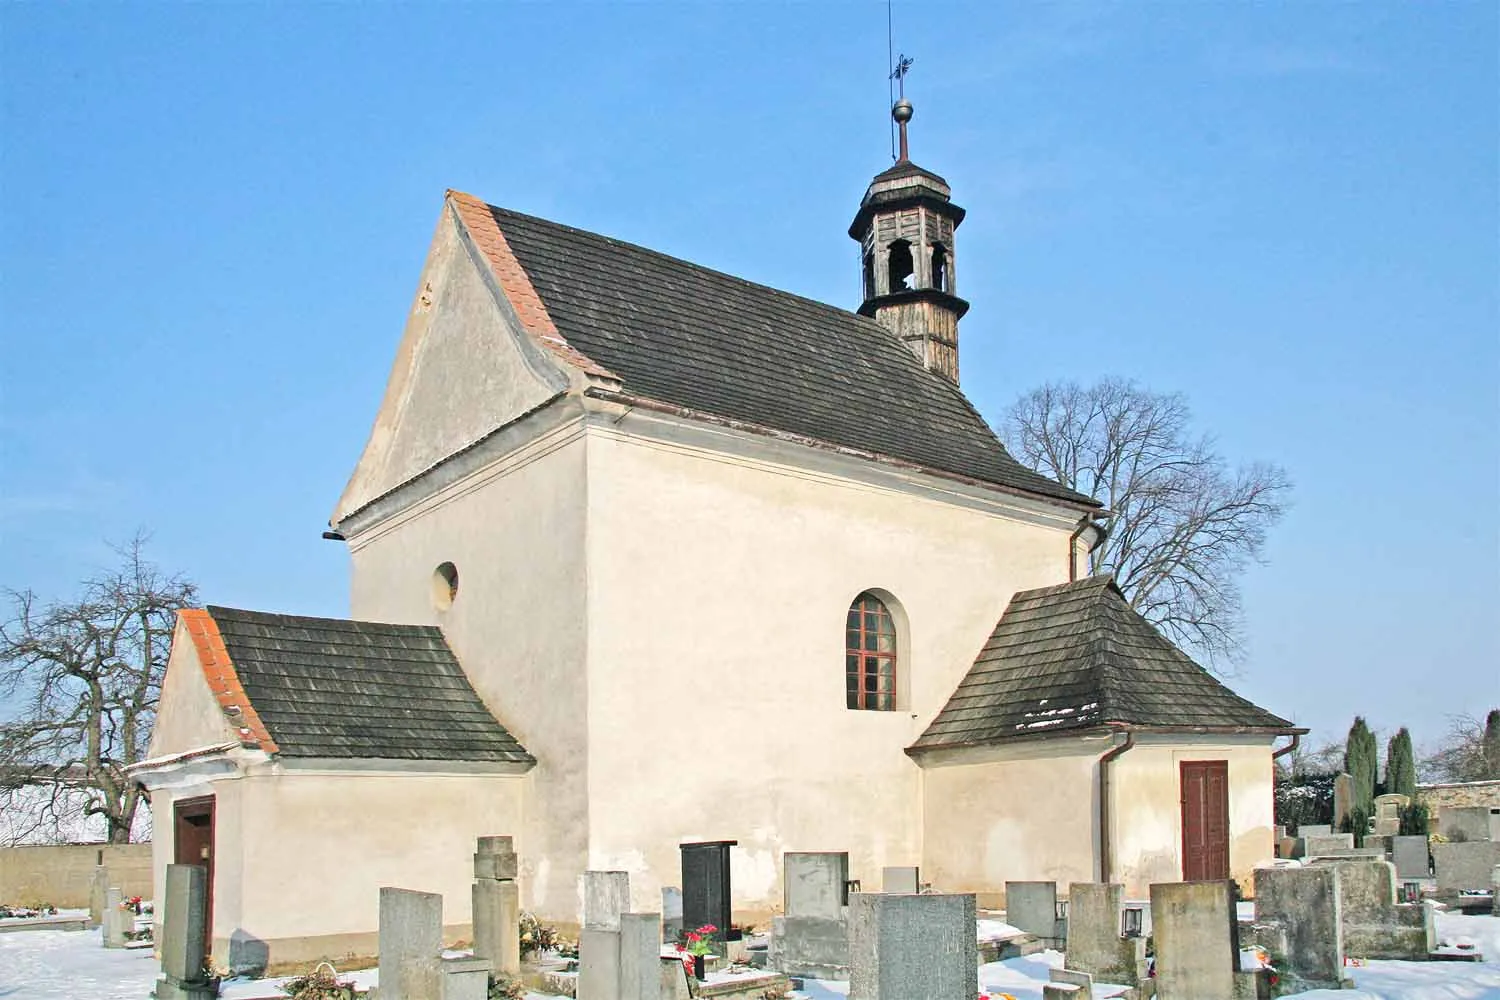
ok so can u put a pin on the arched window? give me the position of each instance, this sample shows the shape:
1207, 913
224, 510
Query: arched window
900, 266
870, 655
940, 268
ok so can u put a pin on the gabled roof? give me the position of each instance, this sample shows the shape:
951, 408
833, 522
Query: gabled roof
327, 687
1078, 656
711, 345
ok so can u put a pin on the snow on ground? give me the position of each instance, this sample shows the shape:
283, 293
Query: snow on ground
72, 965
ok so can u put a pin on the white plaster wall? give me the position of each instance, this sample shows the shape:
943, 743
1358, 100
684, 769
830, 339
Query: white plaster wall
515, 531
228, 852
190, 717
717, 593
318, 847
1001, 821
1146, 819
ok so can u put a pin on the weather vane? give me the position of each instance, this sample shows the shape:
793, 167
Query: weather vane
903, 66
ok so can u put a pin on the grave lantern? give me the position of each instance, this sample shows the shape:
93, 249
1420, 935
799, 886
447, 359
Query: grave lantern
1132, 922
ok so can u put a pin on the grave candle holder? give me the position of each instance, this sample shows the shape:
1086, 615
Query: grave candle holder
1131, 924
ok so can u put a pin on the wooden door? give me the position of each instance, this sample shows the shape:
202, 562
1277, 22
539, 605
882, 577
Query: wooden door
1205, 820
193, 844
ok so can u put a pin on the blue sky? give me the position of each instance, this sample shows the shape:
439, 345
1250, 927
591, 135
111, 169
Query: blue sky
212, 218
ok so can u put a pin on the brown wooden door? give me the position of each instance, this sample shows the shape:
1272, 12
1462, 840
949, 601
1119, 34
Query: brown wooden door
1205, 820
193, 844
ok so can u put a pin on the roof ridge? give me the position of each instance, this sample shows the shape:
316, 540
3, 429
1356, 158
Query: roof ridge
216, 609
864, 321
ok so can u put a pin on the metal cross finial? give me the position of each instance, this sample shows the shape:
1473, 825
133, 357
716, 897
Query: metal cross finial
903, 66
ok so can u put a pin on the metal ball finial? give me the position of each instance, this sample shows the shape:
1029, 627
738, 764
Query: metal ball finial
902, 111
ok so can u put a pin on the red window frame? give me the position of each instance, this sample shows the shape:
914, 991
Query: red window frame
870, 655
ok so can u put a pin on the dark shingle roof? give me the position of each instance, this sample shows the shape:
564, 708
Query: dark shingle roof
1078, 656
328, 687
694, 338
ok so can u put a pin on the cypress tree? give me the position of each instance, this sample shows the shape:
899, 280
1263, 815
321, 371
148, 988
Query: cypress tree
1361, 758
1401, 765
1491, 744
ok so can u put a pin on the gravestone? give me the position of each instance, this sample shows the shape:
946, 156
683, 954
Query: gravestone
1388, 813
901, 880
640, 956
671, 914
904, 947
184, 921
598, 964
1095, 944
1469, 823
496, 901
705, 885
1314, 830
606, 895
1464, 866
1374, 924
1193, 927
1032, 907
1343, 799
98, 886
113, 925
411, 945
1299, 921
812, 939
1410, 855
466, 978
1318, 846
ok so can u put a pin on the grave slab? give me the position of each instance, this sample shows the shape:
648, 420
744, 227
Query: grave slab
671, 914
1316, 846
705, 884
411, 944
497, 924
815, 883
900, 880
1195, 956
1465, 866
1411, 857
606, 895
184, 918
598, 964
113, 925
1299, 921
1095, 945
903, 947
466, 978
1032, 907
1469, 823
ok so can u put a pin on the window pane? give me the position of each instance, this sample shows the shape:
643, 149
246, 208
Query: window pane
887, 642
872, 622
886, 702
870, 681
854, 616
853, 699
851, 639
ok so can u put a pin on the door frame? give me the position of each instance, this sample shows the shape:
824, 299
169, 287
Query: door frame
1208, 768
184, 811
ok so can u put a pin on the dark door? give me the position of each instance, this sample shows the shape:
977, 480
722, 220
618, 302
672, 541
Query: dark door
1205, 820
193, 844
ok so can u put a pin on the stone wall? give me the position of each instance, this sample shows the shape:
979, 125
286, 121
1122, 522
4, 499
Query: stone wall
60, 875
1468, 793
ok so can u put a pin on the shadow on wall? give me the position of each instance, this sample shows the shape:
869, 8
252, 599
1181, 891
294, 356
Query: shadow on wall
248, 954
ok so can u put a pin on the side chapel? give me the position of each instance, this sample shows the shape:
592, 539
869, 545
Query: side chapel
646, 554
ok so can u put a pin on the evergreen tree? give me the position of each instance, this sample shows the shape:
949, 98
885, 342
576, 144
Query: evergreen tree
1361, 758
1491, 743
1401, 765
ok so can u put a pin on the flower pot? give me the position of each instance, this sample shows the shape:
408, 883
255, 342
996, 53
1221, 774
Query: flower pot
698, 971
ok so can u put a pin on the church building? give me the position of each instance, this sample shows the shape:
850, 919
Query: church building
645, 554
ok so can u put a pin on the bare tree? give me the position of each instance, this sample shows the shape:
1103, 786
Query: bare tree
1181, 525
1470, 752
83, 679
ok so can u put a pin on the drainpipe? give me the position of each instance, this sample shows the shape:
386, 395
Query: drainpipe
1296, 738
1105, 847
1083, 523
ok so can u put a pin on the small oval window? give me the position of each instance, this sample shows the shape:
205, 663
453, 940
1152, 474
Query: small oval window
444, 586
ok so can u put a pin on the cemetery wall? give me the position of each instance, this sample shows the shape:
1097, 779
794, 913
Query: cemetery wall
1459, 795
1146, 818
1027, 819
60, 874
515, 531
717, 705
